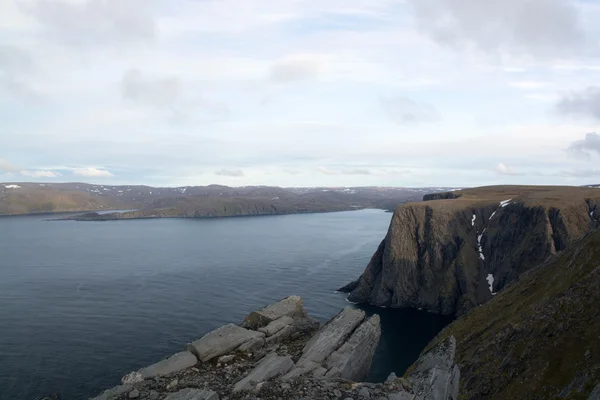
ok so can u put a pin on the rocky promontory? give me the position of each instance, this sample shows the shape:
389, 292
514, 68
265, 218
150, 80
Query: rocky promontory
280, 352
456, 251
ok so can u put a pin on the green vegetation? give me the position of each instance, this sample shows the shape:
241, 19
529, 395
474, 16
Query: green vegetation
539, 336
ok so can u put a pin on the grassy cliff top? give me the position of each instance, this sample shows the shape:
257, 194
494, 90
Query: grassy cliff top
539, 335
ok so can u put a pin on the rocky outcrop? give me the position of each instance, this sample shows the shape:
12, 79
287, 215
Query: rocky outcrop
304, 363
449, 256
435, 376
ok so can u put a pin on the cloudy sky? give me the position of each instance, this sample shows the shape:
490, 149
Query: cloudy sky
300, 92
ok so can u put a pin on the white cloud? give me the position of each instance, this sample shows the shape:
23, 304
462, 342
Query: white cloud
41, 174
91, 172
502, 169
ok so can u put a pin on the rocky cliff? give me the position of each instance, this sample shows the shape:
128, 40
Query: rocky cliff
453, 254
538, 338
279, 352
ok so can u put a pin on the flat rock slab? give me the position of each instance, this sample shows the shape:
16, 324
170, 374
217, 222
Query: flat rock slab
269, 367
193, 394
331, 336
290, 306
175, 363
277, 325
221, 341
354, 358
114, 392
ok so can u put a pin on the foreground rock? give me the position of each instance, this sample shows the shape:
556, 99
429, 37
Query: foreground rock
451, 255
222, 341
285, 356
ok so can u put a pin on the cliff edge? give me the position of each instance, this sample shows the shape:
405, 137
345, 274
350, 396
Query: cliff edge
453, 253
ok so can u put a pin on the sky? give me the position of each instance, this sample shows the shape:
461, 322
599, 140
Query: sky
300, 92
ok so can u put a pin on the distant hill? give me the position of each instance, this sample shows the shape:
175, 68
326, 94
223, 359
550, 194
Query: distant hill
195, 201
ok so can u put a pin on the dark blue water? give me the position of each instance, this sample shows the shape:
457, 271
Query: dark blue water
83, 303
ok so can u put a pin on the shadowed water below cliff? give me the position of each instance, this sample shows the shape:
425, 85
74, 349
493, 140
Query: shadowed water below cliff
84, 303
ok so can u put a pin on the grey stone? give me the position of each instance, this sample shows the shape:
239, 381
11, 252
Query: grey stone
328, 339
226, 359
348, 398
319, 372
173, 384
337, 393
364, 393
435, 376
595, 395
253, 344
221, 341
134, 394
269, 367
153, 395
113, 392
193, 394
283, 334
175, 363
354, 357
391, 377
290, 306
277, 325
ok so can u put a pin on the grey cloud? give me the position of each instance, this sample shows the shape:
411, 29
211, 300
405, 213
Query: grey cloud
539, 28
403, 110
93, 22
586, 146
294, 69
357, 171
583, 103
236, 173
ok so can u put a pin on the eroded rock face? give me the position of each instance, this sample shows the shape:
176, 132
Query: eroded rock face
269, 367
449, 256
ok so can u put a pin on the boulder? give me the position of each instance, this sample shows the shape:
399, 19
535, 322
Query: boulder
435, 375
331, 336
290, 306
326, 341
175, 363
221, 341
114, 392
277, 325
269, 367
354, 357
193, 394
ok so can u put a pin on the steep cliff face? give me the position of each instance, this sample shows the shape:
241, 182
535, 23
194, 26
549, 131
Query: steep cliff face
448, 256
